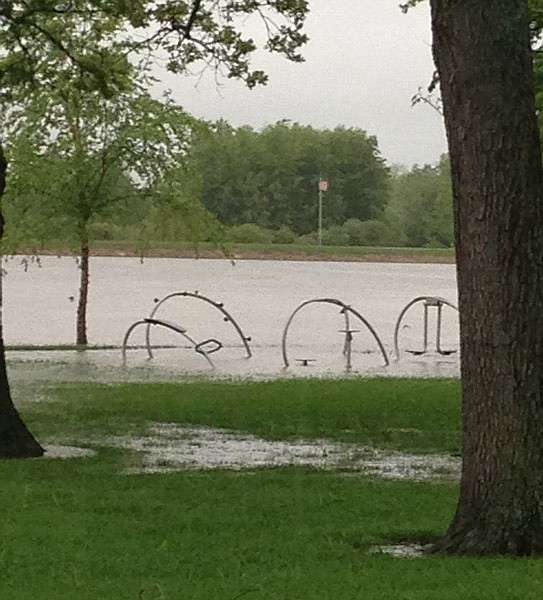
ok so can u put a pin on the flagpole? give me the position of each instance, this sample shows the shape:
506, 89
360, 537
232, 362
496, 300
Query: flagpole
320, 211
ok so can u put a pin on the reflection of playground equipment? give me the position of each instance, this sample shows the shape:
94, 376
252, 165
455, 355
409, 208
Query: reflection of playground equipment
348, 332
429, 302
205, 347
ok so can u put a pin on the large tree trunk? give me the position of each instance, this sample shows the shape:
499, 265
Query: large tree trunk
81, 325
15, 439
484, 62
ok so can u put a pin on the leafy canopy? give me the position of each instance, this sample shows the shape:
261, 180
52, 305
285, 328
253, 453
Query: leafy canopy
101, 37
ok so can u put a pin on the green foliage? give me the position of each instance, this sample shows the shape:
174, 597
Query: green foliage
420, 209
284, 235
354, 232
249, 233
102, 164
368, 233
93, 37
49, 46
270, 177
70, 90
335, 235
176, 212
308, 239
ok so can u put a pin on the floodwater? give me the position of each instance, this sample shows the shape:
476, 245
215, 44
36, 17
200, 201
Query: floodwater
169, 447
402, 550
40, 306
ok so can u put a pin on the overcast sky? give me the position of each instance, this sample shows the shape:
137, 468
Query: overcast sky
364, 62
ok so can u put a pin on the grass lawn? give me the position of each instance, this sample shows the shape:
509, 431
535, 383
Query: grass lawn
254, 250
81, 529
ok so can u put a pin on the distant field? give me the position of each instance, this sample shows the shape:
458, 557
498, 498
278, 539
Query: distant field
262, 251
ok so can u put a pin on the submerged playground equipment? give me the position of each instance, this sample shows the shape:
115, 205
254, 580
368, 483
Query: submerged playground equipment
428, 302
348, 332
351, 318
205, 347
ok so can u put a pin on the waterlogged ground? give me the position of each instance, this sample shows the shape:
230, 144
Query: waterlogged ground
168, 447
401, 550
181, 364
261, 296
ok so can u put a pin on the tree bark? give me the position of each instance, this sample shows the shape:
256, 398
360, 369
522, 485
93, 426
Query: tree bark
81, 326
484, 61
15, 439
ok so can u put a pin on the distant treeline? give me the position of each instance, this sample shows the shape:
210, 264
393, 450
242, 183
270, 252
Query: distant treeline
236, 185
264, 185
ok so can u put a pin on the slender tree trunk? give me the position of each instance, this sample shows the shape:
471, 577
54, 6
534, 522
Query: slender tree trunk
81, 334
482, 52
15, 439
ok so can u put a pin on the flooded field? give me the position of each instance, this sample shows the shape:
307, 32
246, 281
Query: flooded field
261, 296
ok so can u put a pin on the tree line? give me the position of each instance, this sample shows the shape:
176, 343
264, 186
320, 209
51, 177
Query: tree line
159, 175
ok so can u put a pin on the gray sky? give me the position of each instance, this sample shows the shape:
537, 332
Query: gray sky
364, 62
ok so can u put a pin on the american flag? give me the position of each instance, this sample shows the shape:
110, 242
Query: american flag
323, 185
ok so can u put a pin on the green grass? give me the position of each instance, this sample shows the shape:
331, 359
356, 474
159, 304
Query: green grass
385, 413
265, 249
80, 529
340, 251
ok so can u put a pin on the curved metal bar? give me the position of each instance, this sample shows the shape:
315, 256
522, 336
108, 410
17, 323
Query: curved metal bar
127, 335
347, 309
227, 317
437, 299
167, 325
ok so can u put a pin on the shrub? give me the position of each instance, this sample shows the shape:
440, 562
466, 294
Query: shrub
335, 235
103, 230
367, 233
249, 233
284, 235
308, 239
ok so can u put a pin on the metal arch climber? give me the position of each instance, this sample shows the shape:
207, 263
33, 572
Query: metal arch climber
429, 302
218, 305
205, 347
346, 310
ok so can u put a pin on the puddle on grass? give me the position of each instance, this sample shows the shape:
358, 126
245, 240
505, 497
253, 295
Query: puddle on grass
415, 467
59, 451
169, 447
401, 550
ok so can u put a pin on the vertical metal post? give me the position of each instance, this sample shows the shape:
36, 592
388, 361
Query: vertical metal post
438, 328
320, 212
349, 344
425, 328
